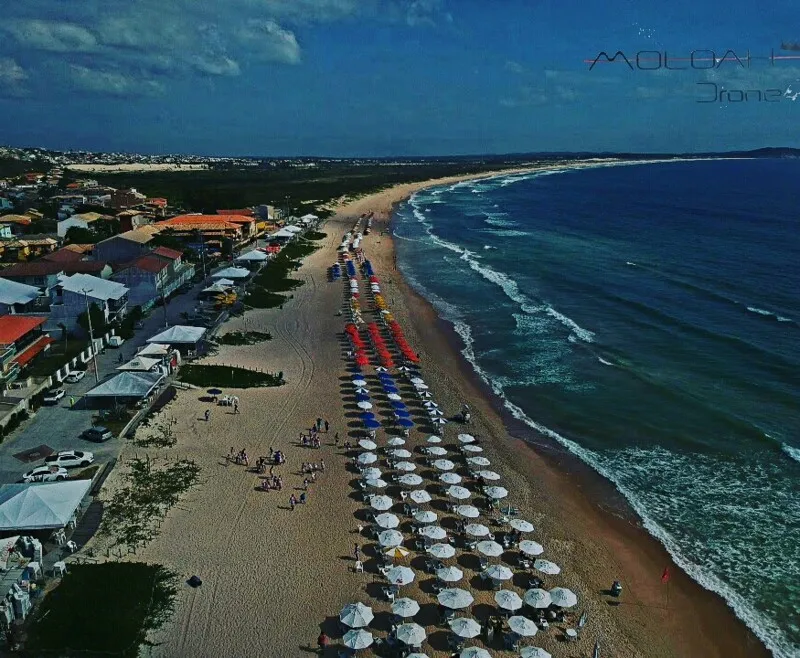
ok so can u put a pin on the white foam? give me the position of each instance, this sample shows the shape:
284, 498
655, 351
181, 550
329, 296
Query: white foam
604, 362
506, 233
760, 311
584, 334
794, 453
488, 246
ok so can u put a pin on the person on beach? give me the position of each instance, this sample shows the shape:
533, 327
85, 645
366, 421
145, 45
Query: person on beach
303, 498
322, 465
207, 414
322, 642
357, 551
292, 502
319, 424
336, 439
71, 401
327, 427
231, 455
236, 407
305, 484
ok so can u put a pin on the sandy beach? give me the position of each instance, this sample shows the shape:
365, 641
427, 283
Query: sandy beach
133, 168
274, 577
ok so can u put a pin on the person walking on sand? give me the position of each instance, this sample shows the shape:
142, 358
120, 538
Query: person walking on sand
292, 502
336, 439
322, 642
319, 424
327, 427
357, 551
232, 455
71, 401
207, 414
322, 465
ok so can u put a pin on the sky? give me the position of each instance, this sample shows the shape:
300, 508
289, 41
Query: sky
349, 78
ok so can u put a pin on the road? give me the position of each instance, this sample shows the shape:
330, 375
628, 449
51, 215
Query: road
59, 426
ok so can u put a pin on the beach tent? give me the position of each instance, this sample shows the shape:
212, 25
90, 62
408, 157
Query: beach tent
179, 335
232, 273
309, 219
127, 385
293, 229
216, 289
42, 506
283, 234
224, 282
154, 349
252, 257
140, 364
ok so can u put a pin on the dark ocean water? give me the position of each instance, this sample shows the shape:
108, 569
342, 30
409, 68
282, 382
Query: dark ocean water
647, 318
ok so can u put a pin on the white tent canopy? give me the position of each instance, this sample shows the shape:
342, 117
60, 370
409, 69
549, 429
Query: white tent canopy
254, 256
283, 233
217, 288
140, 364
180, 334
127, 385
232, 273
40, 506
154, 349
293, 229
224, 282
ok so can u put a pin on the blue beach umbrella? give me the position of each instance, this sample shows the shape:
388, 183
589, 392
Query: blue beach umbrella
371, 424
385, 375
404, 422
367, 415
362, 398
390, 389
398, 405
402, 413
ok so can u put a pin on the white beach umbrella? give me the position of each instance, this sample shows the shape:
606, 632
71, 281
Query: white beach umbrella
508, 599
472, 448
357, 639
417, 654
356, 615
435, 412
478, 461
458, 492
468, 511
499, 572
359, 383
563, 597
394, 397
434, 439
474, 652
443, 465
442, 551
396, 441
465, 627
430, 404
405, 607
367, 458
437, 451
404, 369
400, 575
421, 387
490, 548
362, 391
534, 652
477, 530
381, 503
420, 496
410, 479
417, 380
545, 566
387, 520
377, 483
425, 516
389, 538
488, 475
521, 525
405, 466
450, 478
538, 598
364, 405
367, 444
400, 453
433, 532
449, 574
522, 626
371, 473
455, 598
438, 421
411, 634
495, 492
530, 547
466, 438
380, 369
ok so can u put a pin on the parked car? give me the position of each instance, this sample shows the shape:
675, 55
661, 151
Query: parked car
53, 396
45, 474
69, 458
75, 376
98, 433
116, 341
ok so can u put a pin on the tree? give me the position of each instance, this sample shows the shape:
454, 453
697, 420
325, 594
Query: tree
98, 321
78, 235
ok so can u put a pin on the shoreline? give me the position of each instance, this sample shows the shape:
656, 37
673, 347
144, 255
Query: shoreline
703, 612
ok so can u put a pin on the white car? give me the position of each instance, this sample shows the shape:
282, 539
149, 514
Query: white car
52, 397
75, 376
45, 474
69, 458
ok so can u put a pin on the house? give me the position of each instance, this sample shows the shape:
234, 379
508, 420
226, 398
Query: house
125, 247
133, 219
154, 276
18, 297
21, 340
82, 220
121, 199
73, 294
5, 232
5, 204
213, 228
17, 223
29, 247
45, 273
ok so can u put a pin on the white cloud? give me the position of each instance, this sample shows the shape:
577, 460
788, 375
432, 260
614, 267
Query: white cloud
11, 73
51, 36
270, 41
216, 65
423, 12
112, 83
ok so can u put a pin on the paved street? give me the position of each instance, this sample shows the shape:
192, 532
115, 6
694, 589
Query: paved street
59, 427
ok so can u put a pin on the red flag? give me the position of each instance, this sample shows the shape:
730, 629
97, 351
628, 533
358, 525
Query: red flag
665, 576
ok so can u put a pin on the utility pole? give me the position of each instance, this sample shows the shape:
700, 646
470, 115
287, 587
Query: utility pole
164, 304
91, 334
203, 254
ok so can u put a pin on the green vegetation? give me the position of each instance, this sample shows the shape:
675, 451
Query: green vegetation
102, 609
129, 517
260, 298
126, 327
98, 321
315, 235
243, 338
56, 357
79, 235
207, 376
274, 278
14, 421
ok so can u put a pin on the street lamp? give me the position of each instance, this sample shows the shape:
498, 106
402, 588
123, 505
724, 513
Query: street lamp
91, 335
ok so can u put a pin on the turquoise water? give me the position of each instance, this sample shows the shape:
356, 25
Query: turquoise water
648, 319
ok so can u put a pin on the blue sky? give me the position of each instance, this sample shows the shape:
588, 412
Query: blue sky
390, 77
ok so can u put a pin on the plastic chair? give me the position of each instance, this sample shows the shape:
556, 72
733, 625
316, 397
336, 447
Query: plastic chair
60, 569
389, 594
359, 568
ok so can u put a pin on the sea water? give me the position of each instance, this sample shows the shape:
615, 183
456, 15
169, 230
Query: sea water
647, 318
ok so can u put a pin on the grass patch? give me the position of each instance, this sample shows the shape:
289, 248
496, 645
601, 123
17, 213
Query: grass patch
243, 338
274, 280
230, 376
315, 235
129, 517
56, 357
102, 609
260, 298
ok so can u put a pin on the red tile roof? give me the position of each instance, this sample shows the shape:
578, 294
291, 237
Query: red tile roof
14, 327
64, 256
150, 264
166, 252
30, 352
246, 212
34, 268
203, 222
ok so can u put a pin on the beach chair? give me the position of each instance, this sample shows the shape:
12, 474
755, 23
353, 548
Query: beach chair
571, 635
389, 594
484, 563
359, 568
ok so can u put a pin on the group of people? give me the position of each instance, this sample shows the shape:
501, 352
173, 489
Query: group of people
238, 457
271, 482
312, 439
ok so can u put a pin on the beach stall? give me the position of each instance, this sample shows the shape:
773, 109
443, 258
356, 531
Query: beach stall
140, 364
125, 388
45, 506
186, 338
235, 273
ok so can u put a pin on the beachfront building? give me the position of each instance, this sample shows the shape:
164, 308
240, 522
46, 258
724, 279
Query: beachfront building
213, 230
71, 296
22, 339
30, 246
154, 276
128, 387
185, 338
126, 247
18, 298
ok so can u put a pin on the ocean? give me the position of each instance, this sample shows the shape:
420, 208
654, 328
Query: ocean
647, 318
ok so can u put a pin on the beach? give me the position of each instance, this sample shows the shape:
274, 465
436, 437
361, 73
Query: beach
274, 577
